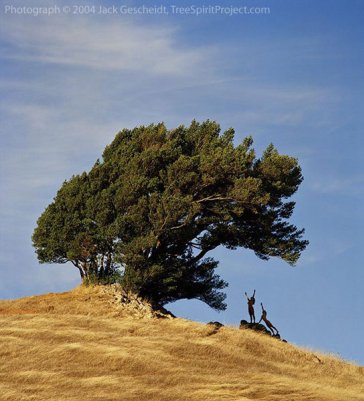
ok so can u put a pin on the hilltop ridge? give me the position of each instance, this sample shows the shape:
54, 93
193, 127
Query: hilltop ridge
93, 300
86, 344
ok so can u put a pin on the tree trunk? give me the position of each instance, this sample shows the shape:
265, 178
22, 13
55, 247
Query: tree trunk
77, 264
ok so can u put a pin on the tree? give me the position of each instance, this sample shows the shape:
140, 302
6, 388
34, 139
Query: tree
160, 200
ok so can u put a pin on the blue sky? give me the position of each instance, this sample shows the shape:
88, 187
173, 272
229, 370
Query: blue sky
293, 77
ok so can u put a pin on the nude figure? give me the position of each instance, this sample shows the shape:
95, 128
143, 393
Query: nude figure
251, 302
267, 322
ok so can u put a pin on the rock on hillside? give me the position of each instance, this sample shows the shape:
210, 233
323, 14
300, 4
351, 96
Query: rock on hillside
258, 327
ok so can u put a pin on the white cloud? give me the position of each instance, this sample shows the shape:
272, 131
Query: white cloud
108, 44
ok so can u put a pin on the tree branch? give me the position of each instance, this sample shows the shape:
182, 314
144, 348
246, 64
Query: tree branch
214, 198
203, 252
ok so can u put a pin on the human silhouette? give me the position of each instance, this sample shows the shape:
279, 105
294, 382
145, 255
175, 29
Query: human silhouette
267, 322
251, 302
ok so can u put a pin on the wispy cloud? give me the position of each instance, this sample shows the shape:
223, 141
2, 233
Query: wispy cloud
102, 45
348, 185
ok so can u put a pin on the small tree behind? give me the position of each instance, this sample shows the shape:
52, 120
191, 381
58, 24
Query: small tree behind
160, 200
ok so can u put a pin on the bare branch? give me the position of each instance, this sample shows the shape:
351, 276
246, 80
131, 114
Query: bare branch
214, 198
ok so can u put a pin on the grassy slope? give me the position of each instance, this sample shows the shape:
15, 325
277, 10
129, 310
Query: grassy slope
79, 346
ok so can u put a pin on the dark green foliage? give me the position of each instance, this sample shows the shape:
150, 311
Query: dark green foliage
160, 200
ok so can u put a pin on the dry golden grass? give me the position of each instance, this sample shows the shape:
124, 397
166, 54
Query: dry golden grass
79, 346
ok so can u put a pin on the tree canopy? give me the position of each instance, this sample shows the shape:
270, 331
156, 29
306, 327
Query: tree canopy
159, 200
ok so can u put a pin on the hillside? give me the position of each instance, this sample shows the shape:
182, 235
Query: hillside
87, 345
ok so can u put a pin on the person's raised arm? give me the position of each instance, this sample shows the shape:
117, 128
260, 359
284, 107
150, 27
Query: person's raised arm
254, 294
262, 308
246, 295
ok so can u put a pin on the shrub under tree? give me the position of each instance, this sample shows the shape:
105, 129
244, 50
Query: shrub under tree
160, 200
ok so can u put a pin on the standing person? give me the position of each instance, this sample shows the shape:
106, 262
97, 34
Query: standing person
251, 302
267, 322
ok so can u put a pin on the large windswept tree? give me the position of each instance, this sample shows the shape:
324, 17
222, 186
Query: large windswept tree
161, 199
